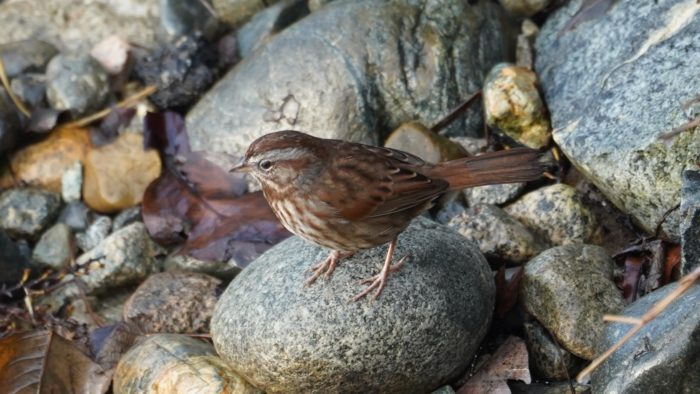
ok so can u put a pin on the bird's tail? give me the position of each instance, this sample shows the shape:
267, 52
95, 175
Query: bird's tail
507, 166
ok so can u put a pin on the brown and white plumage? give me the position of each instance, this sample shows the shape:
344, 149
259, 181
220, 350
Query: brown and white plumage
348, 196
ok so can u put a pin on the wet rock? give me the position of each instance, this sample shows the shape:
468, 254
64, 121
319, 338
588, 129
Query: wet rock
30, 55
236, 12
125, 217
593, 77
181, 70
55, 247
568, 289
12, 262
556, 213
493, 194
181, 263
75, 215
27, 212
77, 25
125, 257
498, 235
268, 22
414, 137
690, 221
183, 17
170, 302
72, 182
76, 83
285, 337
548, 360
662, 357
43, 164
524, 7
94, 234
9, 122
117, 174
513, 105
30, 89
177, 364
357, 86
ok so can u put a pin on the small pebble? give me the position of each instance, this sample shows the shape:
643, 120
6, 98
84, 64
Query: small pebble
72, 182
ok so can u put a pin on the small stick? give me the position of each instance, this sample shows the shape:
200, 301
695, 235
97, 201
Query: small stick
455, 113
684, 284
126, 103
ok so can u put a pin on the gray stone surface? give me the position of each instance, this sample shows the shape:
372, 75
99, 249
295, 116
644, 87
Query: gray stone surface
126, 217
497, 234
54, 248
78, 24
268, 22
547, 359
168, 302
568, 289
181, 263
354, 70
614, 84
125, 257
27, 212
690, 221
420, 333
30, 55
76, 83
663, 357
493, 194
556, 213
96, 232
76, 215
72, 182
30, 88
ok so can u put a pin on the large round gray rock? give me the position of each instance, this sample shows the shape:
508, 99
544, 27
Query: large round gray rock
568, 289
663, 357
76, 83
354, 69
420, 333
614, 84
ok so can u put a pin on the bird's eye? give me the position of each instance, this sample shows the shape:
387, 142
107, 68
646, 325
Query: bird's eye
265, 165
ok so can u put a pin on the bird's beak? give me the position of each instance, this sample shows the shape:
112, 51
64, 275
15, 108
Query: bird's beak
240, 167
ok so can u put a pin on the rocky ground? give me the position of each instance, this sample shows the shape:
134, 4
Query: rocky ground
128, 248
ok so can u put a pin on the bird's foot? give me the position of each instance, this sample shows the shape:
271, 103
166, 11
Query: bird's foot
328, 266
379, 281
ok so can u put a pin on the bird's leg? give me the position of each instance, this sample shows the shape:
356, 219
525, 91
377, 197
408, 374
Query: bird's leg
327, 266
379, 281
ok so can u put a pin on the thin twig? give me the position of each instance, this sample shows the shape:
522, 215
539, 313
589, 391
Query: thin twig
455, 113
622, 319
126, 103
6, 83
683, 285
686, 126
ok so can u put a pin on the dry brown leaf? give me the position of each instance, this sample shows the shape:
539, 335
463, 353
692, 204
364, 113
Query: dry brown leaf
509, 362
44, 362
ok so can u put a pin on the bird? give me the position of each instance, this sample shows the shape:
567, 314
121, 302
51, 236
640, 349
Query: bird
348, 196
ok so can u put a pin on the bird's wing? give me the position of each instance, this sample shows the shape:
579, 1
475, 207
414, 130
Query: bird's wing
368, 181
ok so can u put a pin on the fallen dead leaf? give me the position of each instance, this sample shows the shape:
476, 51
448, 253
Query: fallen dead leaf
508, 362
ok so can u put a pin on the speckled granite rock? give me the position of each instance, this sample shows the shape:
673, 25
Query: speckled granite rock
568, 289
547, 359
613, 85
220, 269
420, 333
27, 212
497, 234
169, 302
333, 74
175, 364
663, 357
493, 194
556, 213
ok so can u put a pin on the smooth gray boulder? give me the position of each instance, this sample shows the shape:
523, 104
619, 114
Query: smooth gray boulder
663, 357
419, 334
356, 70
614, 84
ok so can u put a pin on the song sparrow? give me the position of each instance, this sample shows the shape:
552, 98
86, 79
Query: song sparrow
347, 196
